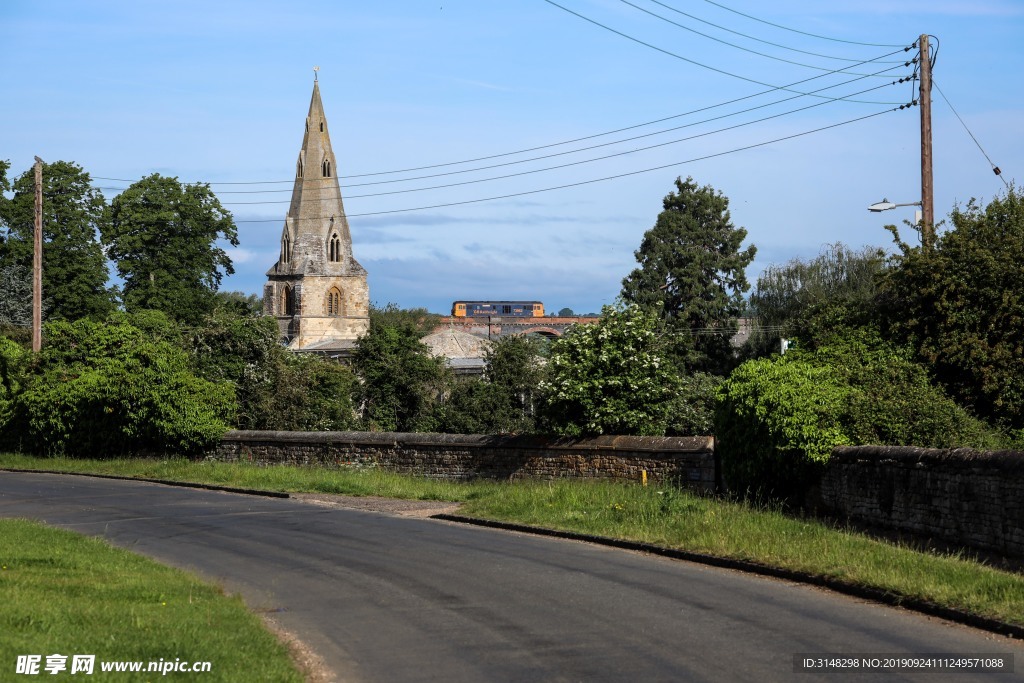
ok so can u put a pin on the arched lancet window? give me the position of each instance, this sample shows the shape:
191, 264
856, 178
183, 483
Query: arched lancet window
333, 303
287, 301
334, 248
286, 248
326, 168
321, 126
298, 168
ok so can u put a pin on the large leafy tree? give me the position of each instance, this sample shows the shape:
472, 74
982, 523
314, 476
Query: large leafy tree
401, 383
74, 268
163, 235
610, 377
960, 305
504, 401
817, 299
692, 274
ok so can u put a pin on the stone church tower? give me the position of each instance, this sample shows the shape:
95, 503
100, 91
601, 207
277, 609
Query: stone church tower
317, 290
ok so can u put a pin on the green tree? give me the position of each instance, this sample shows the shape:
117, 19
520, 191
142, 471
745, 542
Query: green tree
239, 303
960, 306
692, 274
74, 268
419, 319
816, 299
400, 383
16, 296
610, 377
163, 236
275, 389
105, 388
505, 400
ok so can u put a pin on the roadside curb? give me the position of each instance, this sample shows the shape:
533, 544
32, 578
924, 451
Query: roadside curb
165, 482
835, 585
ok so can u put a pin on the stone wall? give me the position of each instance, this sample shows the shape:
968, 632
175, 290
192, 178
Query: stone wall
960, 496
689, 461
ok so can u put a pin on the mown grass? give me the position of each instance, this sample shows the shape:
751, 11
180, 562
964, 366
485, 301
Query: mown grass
659, 515
75, 595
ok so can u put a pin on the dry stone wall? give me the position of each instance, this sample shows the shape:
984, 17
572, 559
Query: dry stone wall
961, 496
688, 461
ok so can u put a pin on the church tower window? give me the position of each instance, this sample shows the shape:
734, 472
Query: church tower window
286, 248
334, 302
326, 168
287, 301
334, 248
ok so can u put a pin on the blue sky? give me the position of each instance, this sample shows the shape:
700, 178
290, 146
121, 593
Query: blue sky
218, 91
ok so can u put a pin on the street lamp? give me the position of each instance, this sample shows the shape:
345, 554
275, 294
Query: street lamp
886, 205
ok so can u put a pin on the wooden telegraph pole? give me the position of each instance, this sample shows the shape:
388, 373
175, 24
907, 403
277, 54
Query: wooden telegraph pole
927, 189
37, 264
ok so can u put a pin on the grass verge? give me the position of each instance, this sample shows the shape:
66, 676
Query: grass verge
661, 516
75, 595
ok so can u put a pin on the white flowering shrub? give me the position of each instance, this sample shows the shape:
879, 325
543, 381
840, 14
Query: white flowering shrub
610, 377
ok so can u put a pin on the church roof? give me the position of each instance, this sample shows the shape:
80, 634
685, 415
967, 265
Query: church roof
452, 343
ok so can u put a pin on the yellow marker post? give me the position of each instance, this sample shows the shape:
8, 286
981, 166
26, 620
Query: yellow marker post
643, 477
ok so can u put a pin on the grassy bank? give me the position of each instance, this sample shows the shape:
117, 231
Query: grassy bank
662, 516
74, 595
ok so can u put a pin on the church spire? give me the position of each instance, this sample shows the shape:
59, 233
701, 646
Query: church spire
317, 289
316, 223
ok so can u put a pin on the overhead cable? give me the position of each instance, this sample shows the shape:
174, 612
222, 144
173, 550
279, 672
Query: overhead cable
604, 179
793, 30
754, 38
686, 59
733, 45
995, 169
559, 166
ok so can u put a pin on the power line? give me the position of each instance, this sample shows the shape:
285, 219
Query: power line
793, 30
685, 59
725, 42
749, 37
770, 90
566, 165
995, 169
598, 180
582, 149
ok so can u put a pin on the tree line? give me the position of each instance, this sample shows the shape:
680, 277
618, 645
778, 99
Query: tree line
917, 346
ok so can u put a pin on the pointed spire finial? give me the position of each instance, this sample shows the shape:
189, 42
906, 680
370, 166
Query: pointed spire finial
315, 69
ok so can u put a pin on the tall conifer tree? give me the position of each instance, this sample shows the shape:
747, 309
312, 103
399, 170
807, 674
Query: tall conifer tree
692, 274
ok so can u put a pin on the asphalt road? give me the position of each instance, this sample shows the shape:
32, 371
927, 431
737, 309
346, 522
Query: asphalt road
387, 598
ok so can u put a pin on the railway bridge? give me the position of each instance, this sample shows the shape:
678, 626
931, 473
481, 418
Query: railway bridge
495, 327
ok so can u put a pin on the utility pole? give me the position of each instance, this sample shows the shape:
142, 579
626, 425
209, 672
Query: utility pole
927, 189
37, 264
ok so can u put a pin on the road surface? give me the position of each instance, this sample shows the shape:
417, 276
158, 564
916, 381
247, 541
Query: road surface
383, 597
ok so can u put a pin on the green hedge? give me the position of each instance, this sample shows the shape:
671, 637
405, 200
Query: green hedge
778, 419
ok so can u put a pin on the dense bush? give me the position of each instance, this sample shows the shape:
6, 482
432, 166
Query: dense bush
104, 389
504, 400
778, 419
275, 388
776, 423
13, 366
692, 409
960, 307
400, 384
610, 377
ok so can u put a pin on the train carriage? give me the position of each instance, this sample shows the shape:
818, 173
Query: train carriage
514, 309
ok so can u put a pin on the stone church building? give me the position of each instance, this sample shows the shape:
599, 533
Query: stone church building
317, 290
